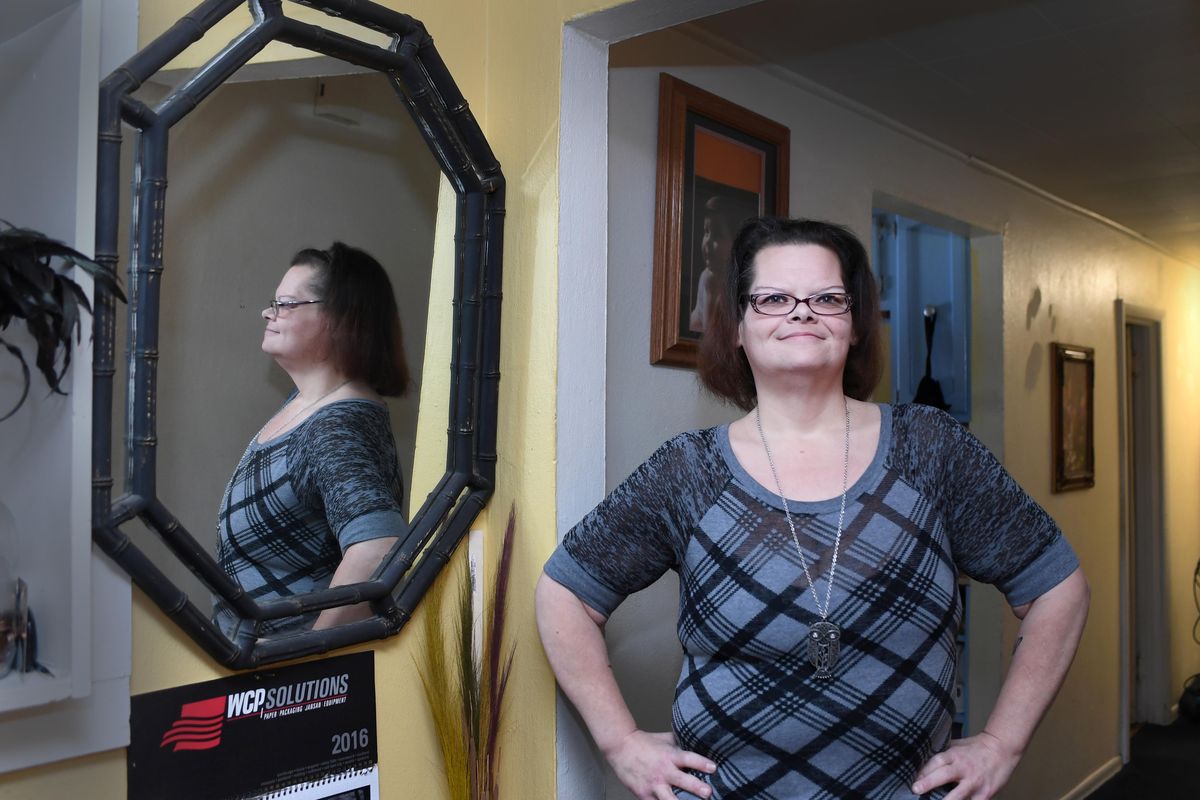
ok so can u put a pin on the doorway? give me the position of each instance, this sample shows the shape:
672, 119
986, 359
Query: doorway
925, 294
1145, 645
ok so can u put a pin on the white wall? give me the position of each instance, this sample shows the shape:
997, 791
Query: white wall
35, 444
1075, 266
52, 55
254, 175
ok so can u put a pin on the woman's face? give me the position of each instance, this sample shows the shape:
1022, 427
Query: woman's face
800, 340
715, 244
299, 335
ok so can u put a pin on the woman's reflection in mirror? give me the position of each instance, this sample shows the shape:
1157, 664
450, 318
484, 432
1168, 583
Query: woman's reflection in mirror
315, 500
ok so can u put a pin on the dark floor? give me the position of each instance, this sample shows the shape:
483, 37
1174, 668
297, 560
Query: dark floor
1164, 764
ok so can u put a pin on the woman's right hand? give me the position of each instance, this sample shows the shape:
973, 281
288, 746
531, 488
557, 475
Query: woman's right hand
650, 764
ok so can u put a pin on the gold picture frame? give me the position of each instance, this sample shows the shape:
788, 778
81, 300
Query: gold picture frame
1073, 417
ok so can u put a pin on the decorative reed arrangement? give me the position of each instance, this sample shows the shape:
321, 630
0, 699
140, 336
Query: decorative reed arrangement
465, 696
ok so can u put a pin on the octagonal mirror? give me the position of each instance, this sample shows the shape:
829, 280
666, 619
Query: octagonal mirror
259, 169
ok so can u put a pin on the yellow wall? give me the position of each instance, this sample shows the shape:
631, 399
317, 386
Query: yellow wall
1078, 271
505, 57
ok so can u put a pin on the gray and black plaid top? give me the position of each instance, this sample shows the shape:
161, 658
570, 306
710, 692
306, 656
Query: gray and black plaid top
295, 503
933, 502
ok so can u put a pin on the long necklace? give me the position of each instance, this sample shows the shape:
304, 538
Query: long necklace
286, 422
298, 412
824, 638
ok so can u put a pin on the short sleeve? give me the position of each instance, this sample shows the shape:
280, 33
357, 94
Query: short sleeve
345, 463
640, 529
998, 534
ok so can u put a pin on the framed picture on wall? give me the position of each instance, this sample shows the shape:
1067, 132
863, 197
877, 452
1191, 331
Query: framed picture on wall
1073, 423
718, 164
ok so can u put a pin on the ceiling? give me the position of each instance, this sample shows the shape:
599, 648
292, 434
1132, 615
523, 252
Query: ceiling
1095, 101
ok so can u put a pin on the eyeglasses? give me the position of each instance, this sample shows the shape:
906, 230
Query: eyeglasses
281, 307
778, 304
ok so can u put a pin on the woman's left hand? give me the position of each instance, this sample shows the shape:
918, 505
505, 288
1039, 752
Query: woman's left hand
1050, 629
980, 765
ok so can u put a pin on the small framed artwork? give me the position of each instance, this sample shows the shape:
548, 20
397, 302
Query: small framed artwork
1073, 417
718, 165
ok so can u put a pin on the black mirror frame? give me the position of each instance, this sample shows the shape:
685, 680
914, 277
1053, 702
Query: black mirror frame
424, 84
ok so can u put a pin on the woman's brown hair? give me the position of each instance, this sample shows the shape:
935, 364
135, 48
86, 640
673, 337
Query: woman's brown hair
364, 321
724, 370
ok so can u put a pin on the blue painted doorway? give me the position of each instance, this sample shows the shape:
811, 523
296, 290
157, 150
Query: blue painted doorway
922, 266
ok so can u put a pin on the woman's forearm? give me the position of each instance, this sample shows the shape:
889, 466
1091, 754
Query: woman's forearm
358, 562
980, 765
573, 638
1047, 640
651, 765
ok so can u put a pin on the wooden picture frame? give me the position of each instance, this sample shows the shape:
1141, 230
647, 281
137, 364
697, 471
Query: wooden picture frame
1073, 417
718, 164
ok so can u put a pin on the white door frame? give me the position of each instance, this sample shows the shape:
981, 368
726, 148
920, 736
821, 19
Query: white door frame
1151, 571
583, 297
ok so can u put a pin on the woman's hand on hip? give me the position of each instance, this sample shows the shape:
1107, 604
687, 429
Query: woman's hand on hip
980, 765
650, 764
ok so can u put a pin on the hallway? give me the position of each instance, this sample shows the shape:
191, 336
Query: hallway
1164, 765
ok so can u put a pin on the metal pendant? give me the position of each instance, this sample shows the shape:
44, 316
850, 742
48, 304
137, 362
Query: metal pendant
824, 644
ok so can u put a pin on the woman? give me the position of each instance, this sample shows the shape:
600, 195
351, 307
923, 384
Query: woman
818, 540
315, 500
720, 223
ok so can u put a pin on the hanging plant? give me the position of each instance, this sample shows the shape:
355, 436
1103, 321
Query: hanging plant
466, 697
34, 287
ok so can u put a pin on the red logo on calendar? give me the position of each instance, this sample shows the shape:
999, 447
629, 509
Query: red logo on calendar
198, 726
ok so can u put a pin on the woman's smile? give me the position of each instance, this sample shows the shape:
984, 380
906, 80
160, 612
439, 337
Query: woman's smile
800, 334
800, 339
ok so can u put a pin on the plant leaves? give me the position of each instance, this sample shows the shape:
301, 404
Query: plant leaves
80, 296
42, 330
493, 751
24, 374
468, 668
466, 698
67, 322
495, 675
443, 695
34, 287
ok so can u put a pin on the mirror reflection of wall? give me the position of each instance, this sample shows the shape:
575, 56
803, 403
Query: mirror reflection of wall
257, 172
